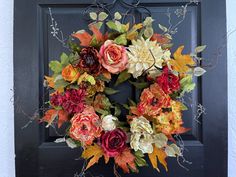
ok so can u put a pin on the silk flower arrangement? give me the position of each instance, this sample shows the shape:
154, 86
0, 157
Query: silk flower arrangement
81, 85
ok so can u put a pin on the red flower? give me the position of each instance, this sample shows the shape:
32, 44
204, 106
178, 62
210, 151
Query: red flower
56, 99
114, 142
74, 101
89, 60
168, 81
86, 126
152, 100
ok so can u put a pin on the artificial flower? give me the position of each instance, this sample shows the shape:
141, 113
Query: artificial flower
141, 137
85, 126
170, 122
114, 57
56, 99
152, 100
114, 142
69, 73
145, 55
109, 122
89, 61
73, 101
168, 81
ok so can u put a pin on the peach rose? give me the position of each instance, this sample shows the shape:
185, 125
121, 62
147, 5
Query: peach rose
86, 126
114, 57
69, 73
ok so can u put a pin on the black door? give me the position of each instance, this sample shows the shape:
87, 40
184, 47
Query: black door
34, 46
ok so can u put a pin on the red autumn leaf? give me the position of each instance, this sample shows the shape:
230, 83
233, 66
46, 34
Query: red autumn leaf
51, 115
84, 37
96, 32
63, 116
125, 160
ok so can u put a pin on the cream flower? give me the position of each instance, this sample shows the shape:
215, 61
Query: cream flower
145, 55
142, 135
109, 122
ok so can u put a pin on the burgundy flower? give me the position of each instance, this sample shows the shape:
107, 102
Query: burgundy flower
114, 142
168, 81
56, 99
89, 60
74, 101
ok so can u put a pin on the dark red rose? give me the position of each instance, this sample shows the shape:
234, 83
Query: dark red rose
168, 81
74, 101
89, 60
114, 142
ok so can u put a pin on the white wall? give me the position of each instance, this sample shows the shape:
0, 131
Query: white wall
231, 28
6, 84
7, 168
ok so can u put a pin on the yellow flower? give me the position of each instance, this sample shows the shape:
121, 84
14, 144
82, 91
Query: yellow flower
145, 55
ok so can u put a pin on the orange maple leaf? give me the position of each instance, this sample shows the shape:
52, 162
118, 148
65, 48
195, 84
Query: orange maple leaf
160, 155
85, 38
51, 115
94, 153
125, 160
181, 63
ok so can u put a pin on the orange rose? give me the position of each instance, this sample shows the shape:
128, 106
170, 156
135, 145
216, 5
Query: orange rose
86, 126
69, 73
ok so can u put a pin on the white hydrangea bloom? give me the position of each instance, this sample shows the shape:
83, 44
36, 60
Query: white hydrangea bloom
109, 122
141, 135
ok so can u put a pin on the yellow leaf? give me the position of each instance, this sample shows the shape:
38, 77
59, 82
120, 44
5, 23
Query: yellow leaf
160, 155
181, 62
94, 153
132, 34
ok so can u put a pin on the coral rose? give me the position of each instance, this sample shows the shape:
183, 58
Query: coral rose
69, 73
86, 126
114, 57
114, 142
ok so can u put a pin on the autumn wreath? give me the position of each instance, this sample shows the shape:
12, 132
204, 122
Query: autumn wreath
127, 53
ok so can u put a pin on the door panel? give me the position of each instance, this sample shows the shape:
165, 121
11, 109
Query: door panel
37, 155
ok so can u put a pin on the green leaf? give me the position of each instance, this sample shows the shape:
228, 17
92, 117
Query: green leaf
183, 107
110, 91
102, 112
148, 21
117, 111
187, 84
121, 40
93, 15
117, 16
198, 71
200, 49
101, 77
173, 150
102, 16
55, 66
160, 140
70, 143
123, 76
148, 32
139, 85
64, 60
139, 160
111, 25
61, 84
125, 106
131, 102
